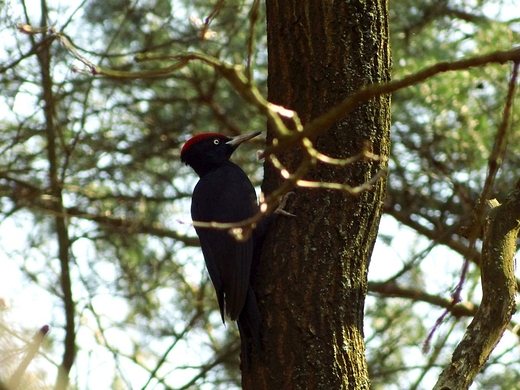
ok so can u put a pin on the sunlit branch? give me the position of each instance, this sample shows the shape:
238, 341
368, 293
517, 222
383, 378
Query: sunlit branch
367, 186
96, 70
246, 89
28, 29
242, 230
314, 153
284, 172
32, 349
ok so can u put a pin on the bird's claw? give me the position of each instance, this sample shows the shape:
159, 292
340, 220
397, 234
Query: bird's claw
280, 209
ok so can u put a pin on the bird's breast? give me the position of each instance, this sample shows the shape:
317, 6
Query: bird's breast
224, 195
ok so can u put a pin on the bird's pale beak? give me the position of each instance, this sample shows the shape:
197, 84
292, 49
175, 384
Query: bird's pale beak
239, 139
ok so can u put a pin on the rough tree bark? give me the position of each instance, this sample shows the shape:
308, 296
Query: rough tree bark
312, 280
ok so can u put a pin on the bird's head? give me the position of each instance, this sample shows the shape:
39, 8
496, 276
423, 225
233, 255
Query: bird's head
207, 151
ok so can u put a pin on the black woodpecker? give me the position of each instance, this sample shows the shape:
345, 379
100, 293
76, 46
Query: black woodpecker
224, 193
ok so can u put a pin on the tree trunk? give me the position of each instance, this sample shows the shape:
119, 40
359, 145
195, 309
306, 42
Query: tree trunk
312, 280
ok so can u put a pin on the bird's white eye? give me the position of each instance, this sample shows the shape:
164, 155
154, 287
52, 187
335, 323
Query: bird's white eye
216, 141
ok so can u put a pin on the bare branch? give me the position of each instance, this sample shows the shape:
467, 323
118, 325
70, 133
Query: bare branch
367, 186
315, 154
392, 289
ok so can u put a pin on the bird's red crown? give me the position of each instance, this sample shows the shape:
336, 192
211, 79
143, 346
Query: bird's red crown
199, 137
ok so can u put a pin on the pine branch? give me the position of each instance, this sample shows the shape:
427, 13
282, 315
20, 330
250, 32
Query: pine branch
498, 296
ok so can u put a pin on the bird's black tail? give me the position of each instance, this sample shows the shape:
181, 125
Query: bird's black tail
249, 327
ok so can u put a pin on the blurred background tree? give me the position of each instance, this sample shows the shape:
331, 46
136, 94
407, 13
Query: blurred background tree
95, 228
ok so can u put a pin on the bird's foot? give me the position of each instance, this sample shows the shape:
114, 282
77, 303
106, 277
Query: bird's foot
280, 209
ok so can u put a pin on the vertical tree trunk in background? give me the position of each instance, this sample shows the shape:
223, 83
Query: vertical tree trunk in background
60, 220
313, 277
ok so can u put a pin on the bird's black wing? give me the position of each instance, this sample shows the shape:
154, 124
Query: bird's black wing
225, 195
